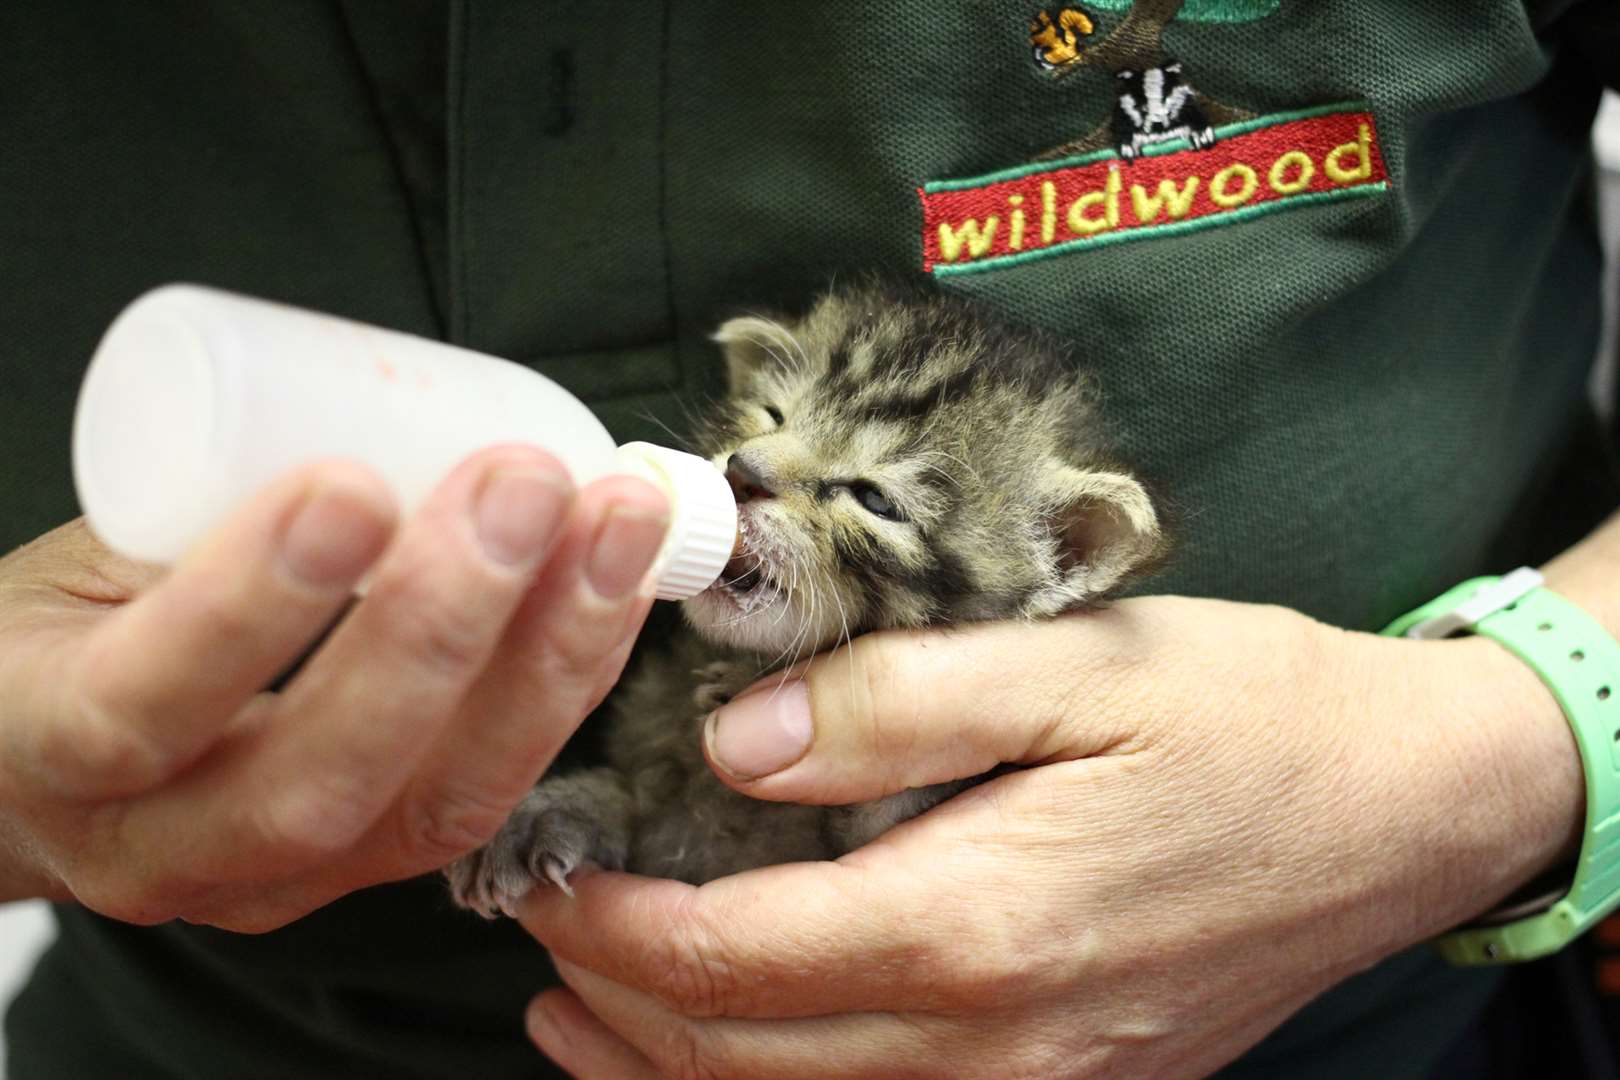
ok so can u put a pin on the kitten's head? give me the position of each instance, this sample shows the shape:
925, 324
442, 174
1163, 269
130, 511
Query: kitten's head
905, 461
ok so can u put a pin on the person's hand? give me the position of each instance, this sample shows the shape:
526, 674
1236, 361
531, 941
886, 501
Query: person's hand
145, 774
1231, 808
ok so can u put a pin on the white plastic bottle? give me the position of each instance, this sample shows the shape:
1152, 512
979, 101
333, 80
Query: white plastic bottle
195, 398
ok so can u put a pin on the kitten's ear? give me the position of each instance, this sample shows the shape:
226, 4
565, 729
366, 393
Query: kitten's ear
752, 344
1106, 529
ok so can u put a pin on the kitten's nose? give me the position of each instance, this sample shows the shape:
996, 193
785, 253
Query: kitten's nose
746, 482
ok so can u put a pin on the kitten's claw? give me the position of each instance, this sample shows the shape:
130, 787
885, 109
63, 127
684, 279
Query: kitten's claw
558, 873
551, 834
474, 885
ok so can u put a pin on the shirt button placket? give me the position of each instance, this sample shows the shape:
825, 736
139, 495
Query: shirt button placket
556, 136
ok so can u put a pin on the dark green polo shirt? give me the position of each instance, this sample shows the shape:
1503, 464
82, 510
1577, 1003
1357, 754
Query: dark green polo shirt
1350, 337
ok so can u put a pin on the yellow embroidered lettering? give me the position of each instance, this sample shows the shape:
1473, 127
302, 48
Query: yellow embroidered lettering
1147, 206
1108, 199
1294, 159
1334, 163
978, 241
1282, 161
1220, 188
1078, 222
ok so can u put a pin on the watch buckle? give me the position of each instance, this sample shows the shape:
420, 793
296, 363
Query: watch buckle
1486, 602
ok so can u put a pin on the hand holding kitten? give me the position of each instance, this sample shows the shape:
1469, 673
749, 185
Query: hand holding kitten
1231, 808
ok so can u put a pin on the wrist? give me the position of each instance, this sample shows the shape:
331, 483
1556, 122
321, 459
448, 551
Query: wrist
1505, 802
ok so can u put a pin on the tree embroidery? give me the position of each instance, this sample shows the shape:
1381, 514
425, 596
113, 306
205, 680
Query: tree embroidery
1154, 101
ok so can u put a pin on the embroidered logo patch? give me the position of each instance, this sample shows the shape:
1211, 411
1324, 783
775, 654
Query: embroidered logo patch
1252, 168
1165, 159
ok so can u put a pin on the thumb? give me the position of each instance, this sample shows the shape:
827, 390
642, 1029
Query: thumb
903, 709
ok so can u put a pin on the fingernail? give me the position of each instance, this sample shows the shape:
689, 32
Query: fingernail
761, 733
626, 544
334, 536
517, 512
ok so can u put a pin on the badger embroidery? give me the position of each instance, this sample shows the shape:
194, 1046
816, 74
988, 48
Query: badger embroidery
1153, 100
1156, 105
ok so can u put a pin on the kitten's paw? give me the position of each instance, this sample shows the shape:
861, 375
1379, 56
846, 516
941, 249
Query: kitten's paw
480, 883
719, 682
543, 842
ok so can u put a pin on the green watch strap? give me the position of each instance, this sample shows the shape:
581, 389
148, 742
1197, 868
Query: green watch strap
1580, 663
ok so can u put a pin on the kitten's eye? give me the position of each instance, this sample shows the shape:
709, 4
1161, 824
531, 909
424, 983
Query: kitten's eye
775, 414
875, 501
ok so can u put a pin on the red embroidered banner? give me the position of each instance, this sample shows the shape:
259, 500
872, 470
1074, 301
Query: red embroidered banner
1254, 167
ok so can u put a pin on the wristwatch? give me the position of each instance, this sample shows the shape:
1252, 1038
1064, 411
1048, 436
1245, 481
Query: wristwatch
1580, 663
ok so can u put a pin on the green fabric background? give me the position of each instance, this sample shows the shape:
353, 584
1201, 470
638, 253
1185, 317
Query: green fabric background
1352, 405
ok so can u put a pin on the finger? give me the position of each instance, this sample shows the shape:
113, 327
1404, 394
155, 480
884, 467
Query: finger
571, 1035
566, 631
356, 720
562, 650
528, 702
160, 678
905, 709
894, 929
623, 1021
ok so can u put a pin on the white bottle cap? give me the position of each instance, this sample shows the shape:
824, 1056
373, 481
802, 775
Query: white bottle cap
703, 522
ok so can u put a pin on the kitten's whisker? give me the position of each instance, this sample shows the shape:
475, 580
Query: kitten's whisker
757, 568
804, 357
800, 640
776, 661
947, 477
794, 566
697, 419
792, 589
677, 440
795, 364
780, 335
807, 621
969, 469
843, 621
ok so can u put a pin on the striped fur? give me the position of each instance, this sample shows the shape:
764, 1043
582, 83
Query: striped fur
997, 501
982, 437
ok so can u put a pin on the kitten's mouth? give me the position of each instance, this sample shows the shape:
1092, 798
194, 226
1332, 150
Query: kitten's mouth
741, 580
746, 584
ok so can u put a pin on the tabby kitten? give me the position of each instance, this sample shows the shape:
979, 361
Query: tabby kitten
898, 462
